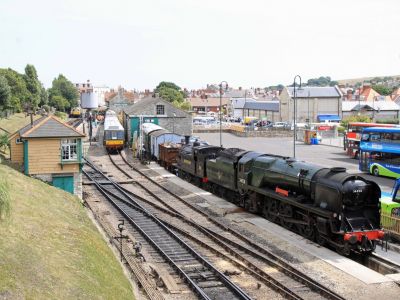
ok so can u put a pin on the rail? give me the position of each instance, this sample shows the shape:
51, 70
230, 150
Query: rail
142, 218
266, 255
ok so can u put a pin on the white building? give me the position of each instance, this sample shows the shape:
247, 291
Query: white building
100, 92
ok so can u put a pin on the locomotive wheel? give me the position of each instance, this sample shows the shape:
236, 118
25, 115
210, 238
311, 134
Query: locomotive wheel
319, 238
286, 211
306, 231
272, 211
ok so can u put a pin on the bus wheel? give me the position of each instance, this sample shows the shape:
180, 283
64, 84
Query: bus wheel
375, 171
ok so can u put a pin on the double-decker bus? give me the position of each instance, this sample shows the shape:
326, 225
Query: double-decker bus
353, 136
380, 151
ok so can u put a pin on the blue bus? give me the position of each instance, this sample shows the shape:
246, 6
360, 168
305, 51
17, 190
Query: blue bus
380, 151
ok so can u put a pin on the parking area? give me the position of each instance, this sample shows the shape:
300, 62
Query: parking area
327, 156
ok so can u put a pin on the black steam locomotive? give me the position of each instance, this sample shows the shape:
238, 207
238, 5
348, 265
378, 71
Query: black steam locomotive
327, 205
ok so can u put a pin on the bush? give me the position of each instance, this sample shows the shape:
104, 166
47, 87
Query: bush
4, 199
61, 115
388, 121
3, 141
347, 120
341, 129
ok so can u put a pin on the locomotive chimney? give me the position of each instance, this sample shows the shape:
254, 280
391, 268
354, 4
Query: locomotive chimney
187, 137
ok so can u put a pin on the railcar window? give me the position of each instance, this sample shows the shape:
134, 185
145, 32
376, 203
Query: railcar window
69, 149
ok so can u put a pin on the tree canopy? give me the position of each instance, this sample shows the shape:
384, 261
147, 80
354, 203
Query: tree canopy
382, 90
5, 93
63, 94
33, 86
321, 81
170, 92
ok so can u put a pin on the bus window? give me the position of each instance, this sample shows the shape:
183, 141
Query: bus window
365, 137
375, 137
396, 138
386, 137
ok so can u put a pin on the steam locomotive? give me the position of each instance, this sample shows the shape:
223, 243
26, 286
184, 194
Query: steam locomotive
327, 205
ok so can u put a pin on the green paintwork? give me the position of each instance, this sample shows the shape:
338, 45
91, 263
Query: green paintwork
26, 158
383, 171
65, 183
387, 205
135, 123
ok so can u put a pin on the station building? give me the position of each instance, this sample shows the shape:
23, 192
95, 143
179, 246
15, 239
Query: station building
50, 150
158, 111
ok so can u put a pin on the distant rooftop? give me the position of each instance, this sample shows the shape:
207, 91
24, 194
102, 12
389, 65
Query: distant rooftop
316, 92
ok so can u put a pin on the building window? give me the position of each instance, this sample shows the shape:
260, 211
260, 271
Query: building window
18, 141
160, 110
69, 150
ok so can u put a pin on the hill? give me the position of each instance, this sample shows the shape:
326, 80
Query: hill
15, 122
353, 81
49, 248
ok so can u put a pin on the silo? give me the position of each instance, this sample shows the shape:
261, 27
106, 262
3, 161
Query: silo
89, 100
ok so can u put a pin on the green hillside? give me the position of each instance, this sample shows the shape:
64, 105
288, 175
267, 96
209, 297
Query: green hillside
49, 248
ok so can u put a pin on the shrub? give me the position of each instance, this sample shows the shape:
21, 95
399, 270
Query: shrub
341, 129
388, 121
347, 120
3, 141
4, 199
61, 115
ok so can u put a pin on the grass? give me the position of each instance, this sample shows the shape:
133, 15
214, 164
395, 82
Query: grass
49, 248
15, 122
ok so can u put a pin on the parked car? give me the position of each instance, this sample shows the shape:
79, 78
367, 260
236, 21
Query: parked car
280, 125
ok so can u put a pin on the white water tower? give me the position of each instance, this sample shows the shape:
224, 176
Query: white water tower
89, 100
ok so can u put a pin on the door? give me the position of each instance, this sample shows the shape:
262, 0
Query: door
65, 183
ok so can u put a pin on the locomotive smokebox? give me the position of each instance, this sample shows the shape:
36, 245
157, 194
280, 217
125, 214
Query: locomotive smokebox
187, 138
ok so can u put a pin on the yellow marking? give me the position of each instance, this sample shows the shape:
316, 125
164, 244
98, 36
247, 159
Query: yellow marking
186, 161
115, 142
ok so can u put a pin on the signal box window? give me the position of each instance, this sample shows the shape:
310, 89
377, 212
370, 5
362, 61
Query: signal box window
69, 150
160, 110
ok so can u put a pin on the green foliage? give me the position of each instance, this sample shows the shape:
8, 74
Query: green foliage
166, 84
341, 129
388, 121
59, 102
171, 95
4, 199
33, 85
361, 118
3, 140
44, 96
382, 90
61, 115
321, 81
63, 94
185, 106
5, 93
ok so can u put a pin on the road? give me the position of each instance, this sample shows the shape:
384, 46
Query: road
327, 156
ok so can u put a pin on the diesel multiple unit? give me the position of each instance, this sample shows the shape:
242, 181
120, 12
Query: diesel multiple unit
114, 133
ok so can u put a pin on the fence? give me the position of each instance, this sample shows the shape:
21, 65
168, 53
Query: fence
391, 224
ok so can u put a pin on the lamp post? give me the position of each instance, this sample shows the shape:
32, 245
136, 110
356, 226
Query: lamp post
220, 109
294, 113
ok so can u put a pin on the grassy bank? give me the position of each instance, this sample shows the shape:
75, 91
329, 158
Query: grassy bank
15, 122
50, 249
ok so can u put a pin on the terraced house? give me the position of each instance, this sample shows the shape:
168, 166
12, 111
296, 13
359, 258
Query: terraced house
50, 150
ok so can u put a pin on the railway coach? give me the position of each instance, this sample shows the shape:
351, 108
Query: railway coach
114, 133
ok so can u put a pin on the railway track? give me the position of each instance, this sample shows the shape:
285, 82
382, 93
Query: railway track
203, 278
380, 264
75, 123
256, 260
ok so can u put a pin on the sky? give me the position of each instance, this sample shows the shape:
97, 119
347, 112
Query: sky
248, 43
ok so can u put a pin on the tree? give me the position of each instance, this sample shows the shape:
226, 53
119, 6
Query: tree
44, 96
166, 84
59, 102
171, 95
19, 92
321, 81
33, 85
382, 90
65, 89
5, 93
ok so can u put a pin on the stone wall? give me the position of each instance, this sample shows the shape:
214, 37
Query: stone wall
48, 178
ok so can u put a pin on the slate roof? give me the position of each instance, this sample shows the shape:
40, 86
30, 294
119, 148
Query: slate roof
364, 105
262, 105
315, 92
137, 108
49, 126
210, 102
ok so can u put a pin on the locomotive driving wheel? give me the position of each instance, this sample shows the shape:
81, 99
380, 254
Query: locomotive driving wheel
272, 211
306, 230
285, 211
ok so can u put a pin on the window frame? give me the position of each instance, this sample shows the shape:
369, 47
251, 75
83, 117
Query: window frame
69, 144
161, 106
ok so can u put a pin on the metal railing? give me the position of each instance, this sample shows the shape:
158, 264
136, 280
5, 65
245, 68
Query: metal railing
391, 224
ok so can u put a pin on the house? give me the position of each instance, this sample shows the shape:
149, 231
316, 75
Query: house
376, 110
50, 150
121, 100
262, 110
158, 111
205, 104
310, 102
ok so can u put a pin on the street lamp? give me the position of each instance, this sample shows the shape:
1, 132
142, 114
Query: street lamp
294, 113
220, 109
